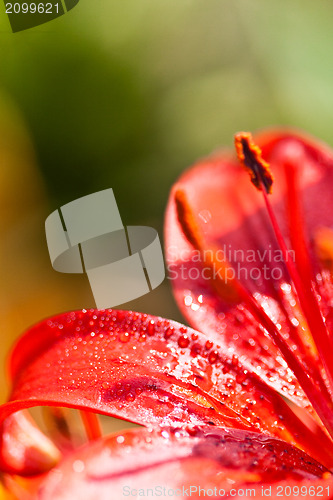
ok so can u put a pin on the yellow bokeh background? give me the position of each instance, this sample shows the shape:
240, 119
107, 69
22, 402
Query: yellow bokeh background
127, 95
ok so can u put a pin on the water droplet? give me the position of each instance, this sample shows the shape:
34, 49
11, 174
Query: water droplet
209, 345
234, 360
124, 337
286, 287
240, 378
169, 332
195, 349
151, 328
212, 357
195, 307
188, 300
120, 316
192, 430
130, 397
183, 341
239, 318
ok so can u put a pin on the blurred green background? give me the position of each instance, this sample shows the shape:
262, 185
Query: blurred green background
126, 94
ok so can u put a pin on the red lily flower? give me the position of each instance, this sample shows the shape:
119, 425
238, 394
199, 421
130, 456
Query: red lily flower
237, 410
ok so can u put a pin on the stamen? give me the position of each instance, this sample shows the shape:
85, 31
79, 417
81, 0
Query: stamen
91, 424
322, 338
194, 236
302, 283
187, 220
304, 278
249, 155
224, 283
295, 215
307, 349
58, 422
323, 240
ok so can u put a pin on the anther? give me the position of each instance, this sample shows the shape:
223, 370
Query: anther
249, 155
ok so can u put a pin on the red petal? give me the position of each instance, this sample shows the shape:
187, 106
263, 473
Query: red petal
25, 450
146, 370
138, 461
232, 218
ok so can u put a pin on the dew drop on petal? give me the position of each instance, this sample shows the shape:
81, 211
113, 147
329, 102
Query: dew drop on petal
130, 397
124, 337
195, 349
188, 300
212, 357
183, 341
151, 328
209, 345
169, 332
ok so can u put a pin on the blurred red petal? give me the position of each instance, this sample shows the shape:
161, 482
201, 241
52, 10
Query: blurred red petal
24, 449
170, 462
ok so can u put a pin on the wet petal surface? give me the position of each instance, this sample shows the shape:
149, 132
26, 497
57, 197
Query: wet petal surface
167, 460
146, 370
